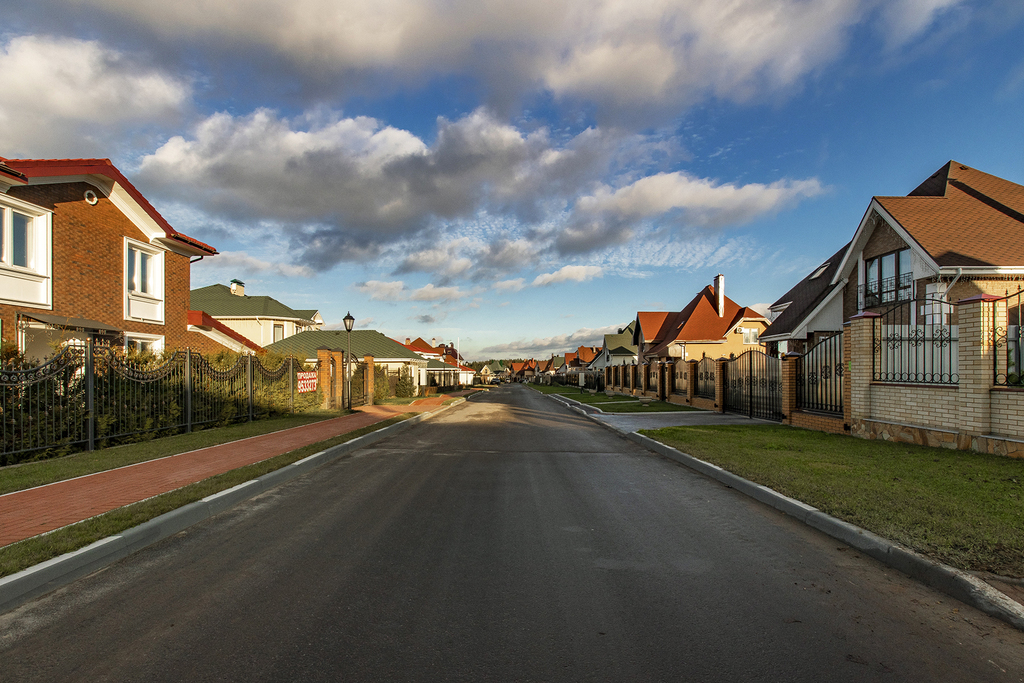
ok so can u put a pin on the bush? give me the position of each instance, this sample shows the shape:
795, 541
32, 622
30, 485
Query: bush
405, 387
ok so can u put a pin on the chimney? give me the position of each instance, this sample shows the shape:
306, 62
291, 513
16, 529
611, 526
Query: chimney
238, 288
720, 294
433, 342
407, 341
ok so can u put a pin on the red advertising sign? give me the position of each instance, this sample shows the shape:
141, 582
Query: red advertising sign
307, 382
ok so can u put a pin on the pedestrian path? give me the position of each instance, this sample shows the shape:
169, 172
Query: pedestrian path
28, 513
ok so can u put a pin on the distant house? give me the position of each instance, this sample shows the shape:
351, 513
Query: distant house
712, 324
618, 349
386, 352
262, 320
83, 255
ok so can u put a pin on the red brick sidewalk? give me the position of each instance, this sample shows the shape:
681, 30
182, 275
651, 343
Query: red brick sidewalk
24, 514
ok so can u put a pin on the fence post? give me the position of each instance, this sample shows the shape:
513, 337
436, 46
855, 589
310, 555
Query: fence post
291, 382
720, 384
188, 391
860, 368
789, 374
690, 377
976, 360
369, 377
90, 389
340, 372
248, 381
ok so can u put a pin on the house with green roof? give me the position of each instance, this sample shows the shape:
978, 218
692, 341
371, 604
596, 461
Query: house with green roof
260, 319
618, 349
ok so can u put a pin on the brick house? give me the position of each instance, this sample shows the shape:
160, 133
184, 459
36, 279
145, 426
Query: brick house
711, 324
84, 254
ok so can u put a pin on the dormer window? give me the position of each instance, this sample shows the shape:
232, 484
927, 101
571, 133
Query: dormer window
821, 269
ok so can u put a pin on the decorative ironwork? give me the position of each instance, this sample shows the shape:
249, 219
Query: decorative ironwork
819, 376
755, 386
706, 378
921, 343
1007, 340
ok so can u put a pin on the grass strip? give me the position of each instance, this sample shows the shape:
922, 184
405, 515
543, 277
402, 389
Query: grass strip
962, 508
32, 551
30, 474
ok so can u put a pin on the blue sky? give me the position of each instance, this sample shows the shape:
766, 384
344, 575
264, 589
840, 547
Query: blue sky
519, 177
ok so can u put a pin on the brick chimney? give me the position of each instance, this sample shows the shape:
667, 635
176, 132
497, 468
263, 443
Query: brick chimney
238, 288
433, 342
408, 341
720, 294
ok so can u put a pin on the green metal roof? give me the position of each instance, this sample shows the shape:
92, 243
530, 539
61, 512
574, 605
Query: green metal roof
364, 343
218, 301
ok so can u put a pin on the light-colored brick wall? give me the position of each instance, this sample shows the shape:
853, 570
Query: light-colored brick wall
928, 406
1007, 406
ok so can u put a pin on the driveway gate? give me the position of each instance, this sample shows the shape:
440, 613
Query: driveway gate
753, 386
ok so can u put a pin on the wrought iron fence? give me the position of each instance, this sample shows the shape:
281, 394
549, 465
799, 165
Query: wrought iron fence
93, 396
706, 378
1008, 339
819, 376
917, 342
753, 385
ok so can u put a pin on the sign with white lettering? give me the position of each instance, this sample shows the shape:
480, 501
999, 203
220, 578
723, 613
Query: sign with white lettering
307, 382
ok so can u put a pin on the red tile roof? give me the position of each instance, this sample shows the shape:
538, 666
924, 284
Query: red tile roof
55, 168
203, 319
698, 322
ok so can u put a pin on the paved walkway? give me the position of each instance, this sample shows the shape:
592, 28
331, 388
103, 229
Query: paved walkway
28, 513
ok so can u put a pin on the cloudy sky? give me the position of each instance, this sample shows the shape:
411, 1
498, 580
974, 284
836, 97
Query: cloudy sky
519, 176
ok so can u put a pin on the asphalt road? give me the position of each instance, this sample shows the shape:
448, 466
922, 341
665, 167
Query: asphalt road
509, 539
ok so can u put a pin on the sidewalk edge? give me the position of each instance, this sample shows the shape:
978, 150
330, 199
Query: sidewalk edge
50, 575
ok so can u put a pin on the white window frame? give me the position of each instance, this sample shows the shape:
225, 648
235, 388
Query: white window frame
157, 278
155, 340
748, 332
38, 275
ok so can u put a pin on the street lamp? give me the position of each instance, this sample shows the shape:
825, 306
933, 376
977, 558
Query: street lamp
349, 322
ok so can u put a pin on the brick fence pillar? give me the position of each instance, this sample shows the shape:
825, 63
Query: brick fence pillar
789, 366
976, 367
690, 377
720, 386
339, 379
860, 369
369, 379
324, 379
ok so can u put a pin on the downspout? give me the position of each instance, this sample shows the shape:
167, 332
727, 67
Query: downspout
945, 295
190, 262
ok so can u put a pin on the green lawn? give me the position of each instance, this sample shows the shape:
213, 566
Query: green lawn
609, 404
962, 508
29, 474
32, 551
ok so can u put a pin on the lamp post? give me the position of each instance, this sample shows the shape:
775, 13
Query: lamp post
349, 322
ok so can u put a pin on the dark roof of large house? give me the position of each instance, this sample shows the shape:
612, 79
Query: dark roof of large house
364, 343
806, 295
963, 217
218, 301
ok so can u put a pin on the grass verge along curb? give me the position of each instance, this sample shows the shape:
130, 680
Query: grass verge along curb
44, 563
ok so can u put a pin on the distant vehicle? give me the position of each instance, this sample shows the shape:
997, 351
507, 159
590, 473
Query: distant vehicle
495, 380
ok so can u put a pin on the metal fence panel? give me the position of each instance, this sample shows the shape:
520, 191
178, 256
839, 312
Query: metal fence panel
917, 342
706, 378
754, 386
1008, 339
819, 376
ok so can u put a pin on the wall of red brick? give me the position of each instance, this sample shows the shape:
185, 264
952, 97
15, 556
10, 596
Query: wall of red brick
88, 266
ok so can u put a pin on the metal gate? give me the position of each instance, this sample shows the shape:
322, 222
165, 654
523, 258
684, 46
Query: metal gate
753, 386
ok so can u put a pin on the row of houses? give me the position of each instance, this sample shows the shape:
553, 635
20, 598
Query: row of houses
84, 256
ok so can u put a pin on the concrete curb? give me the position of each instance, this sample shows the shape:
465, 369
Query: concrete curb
42, 578
958, 584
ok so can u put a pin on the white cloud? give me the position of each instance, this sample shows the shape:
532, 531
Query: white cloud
382, 291
546, 346
66, 97
242, 263
567, 274
510, 285
429, 292
903, 20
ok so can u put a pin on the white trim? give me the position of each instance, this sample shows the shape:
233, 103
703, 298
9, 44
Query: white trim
860, 238
155, 339
41, 274
158, 298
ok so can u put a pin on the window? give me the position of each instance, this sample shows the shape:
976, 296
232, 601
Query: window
143, 343
749, 335
24, 253
143, 282
888, 278
278, 332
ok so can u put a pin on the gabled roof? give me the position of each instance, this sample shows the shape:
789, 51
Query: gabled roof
585, 354
364, 343
700, 322
218, 301
958, 218
206, 324
121, 192
805, 297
